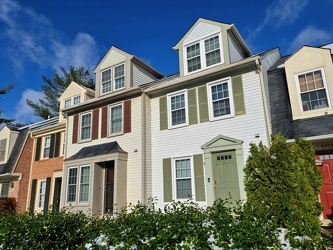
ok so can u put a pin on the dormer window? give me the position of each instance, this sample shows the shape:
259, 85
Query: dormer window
76, 99
118, 82
3, 149
203, 54
67, 102
312, 90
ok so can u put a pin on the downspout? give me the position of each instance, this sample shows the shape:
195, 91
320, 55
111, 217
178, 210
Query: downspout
268, 123
143, 149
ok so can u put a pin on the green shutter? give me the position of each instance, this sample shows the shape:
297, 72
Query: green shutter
163, 113
238, 94
192, 106
167, 180
39, 143
47, 194
199, 178
33, 195
203, 104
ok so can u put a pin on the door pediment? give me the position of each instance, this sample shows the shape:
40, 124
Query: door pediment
221, 141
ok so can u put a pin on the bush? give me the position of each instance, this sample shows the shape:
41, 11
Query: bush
7, 205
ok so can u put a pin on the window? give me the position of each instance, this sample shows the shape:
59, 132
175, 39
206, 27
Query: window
106, 81
85, 126
4, 189
63, 142
177, 109
183, 178
47, 144
2, 149
41, 193
116, 115
83, 185
71, 188
119, 77
312, 90
67, 102
220, 96
76, 99
203, 54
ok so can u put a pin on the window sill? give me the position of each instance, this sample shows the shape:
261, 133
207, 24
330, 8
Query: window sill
219, 118
178, 126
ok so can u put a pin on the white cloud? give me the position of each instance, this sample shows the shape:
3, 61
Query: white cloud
31, 36
280, 12
23, 113
310, 36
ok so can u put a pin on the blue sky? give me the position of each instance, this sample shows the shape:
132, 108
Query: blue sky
37, 36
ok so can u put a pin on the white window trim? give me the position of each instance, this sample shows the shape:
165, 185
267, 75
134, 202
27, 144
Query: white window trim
70, 102
79, 183
38, 208
67, 183
113, 88
210, 101
122, 119
299, 90
1, 185
80, 126
170, 126
101, 83
5, 150
174, 183
63, 144
43, 147
77, 96
201, 42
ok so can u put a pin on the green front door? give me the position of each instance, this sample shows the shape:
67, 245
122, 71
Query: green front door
226, 183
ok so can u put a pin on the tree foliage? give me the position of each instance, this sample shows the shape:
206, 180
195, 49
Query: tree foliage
285, 180
55, 86
3, 91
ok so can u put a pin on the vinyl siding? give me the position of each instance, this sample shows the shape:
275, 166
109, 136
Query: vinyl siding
128, 142
140, 76
235, 52
201, 30
186, 141
148, 150
112, 59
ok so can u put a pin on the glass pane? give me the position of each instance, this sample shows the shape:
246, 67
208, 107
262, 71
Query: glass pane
72, 178
4, 189
116, 119
84, 184
184, 189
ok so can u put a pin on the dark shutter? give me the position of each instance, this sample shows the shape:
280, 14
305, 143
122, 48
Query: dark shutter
127, 116
104, 129
75, 128
57, 145
238, 94
47, 194
39, 142
51, 147
203, 104
167, 180
192, 106
163, 113
33, 196
199, 179
94, 133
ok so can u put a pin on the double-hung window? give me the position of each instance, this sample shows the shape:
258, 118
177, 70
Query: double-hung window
116, 119
106, 81
67, 102
76, 99
47, 145
85, 126
203, 53
183, 178
221, 101
3, 149
4, 187
312, 90
78, 184
41, 194
119, 77
177, 109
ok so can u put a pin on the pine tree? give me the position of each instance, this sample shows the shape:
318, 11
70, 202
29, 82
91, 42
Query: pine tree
55, 86
285, 180
3, 91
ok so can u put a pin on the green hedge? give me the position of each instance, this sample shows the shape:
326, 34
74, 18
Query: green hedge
7, 205
181, 225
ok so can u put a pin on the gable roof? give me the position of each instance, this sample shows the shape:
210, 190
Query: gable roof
85, 89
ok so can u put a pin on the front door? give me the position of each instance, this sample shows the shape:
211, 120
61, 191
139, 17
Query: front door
109, 187
326, 193
56, 194
225, 176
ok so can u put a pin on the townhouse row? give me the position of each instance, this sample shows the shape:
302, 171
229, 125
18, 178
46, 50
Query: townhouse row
140, 134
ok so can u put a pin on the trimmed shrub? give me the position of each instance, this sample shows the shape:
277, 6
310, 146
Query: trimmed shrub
7, 205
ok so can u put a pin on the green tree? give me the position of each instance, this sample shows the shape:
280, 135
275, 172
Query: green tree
3, 91
285, 180
55, 86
